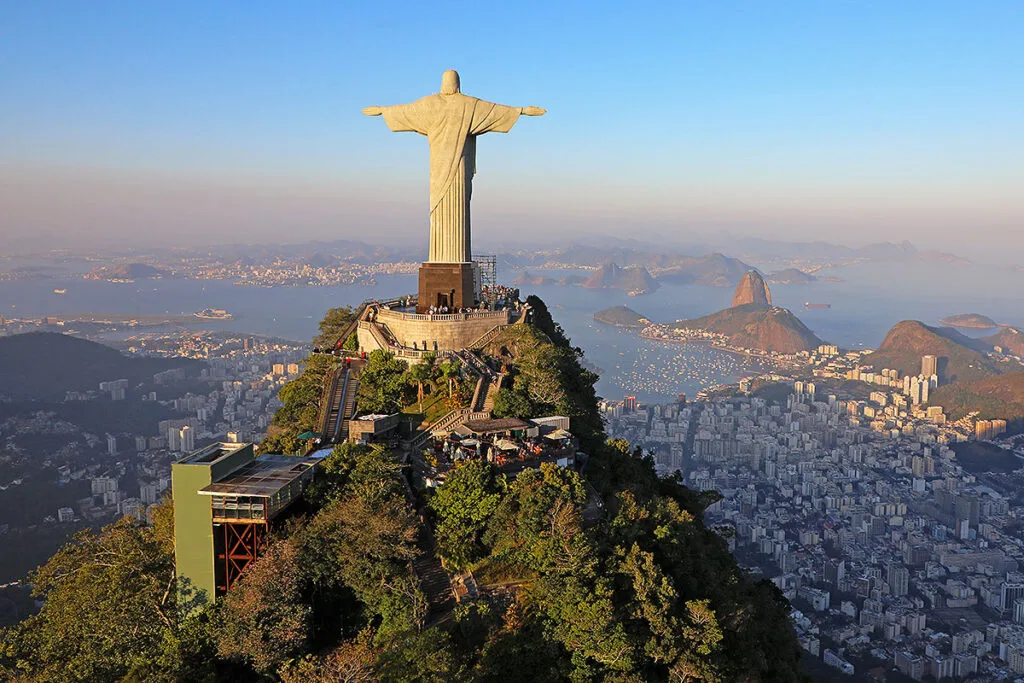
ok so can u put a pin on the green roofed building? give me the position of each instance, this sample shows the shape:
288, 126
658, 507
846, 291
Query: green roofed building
225, 500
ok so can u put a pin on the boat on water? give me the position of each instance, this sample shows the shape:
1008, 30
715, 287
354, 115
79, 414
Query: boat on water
808, 304
213, 314
60, 291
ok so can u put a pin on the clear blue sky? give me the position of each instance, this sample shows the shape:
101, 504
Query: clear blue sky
219, 122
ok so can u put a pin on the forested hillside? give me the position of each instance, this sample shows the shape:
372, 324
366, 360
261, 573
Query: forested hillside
606, 574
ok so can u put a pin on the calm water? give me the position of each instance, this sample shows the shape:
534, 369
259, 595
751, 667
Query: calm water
866, 304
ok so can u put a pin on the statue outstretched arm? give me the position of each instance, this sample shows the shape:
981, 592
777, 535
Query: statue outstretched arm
373, 111
533, 111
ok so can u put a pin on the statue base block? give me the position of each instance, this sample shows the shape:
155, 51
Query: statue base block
446, 284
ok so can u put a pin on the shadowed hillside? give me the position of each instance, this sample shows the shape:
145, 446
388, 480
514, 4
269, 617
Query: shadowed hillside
45, 365
1010, 339
997, 397
908, 340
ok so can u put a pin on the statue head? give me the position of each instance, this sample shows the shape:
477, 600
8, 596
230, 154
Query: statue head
450, 82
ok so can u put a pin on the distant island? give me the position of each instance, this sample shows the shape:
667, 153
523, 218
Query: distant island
790, 276
621, 316
970, 320
126, 273
527, 278
634, 279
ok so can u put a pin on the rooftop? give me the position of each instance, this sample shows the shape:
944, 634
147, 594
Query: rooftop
211, 453
262, 477
502, 424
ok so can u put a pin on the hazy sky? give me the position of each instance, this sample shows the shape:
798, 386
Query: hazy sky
221, 122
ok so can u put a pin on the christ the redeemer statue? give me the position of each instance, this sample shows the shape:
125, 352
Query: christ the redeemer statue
451, 121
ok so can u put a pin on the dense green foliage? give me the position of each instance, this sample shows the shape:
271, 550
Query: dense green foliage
469, 497
110, 612
383, 383
547, 377
647, 593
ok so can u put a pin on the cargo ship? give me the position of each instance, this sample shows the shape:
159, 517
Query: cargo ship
808, 304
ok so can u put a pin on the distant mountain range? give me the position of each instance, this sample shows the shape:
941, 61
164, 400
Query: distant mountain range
609, 276
716, 270
757, 249
527, 278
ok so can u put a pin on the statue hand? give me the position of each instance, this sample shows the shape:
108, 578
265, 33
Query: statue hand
373, 111
534, 111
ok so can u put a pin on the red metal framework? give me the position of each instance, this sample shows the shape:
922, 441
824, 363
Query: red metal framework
241, 544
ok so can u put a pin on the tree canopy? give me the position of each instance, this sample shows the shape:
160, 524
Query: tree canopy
333, 326
383, 383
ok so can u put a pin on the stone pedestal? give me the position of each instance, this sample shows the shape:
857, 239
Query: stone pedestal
446, 284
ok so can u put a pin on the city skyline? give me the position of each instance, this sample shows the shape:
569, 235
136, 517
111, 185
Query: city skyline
846, 123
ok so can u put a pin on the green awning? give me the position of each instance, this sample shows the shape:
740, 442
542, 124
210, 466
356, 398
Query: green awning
307, 435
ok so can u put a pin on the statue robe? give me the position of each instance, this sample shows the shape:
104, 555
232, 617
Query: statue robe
451, 124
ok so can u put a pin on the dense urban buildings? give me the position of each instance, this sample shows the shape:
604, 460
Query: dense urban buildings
891, 551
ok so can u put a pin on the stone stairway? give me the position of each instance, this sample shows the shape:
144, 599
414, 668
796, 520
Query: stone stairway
434, 580
486, 338
492, 390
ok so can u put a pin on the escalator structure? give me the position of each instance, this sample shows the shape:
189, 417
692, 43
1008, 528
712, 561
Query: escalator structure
342, 403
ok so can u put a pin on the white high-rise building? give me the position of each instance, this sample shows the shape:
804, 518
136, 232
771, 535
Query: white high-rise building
173, 439
188, 439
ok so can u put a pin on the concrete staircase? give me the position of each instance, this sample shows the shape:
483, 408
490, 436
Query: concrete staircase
486, 338
492, 391
434, 580
486, 389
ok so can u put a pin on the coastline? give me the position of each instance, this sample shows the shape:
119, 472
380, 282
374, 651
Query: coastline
763, 357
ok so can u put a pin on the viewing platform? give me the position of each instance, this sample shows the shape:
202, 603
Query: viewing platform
407, 334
